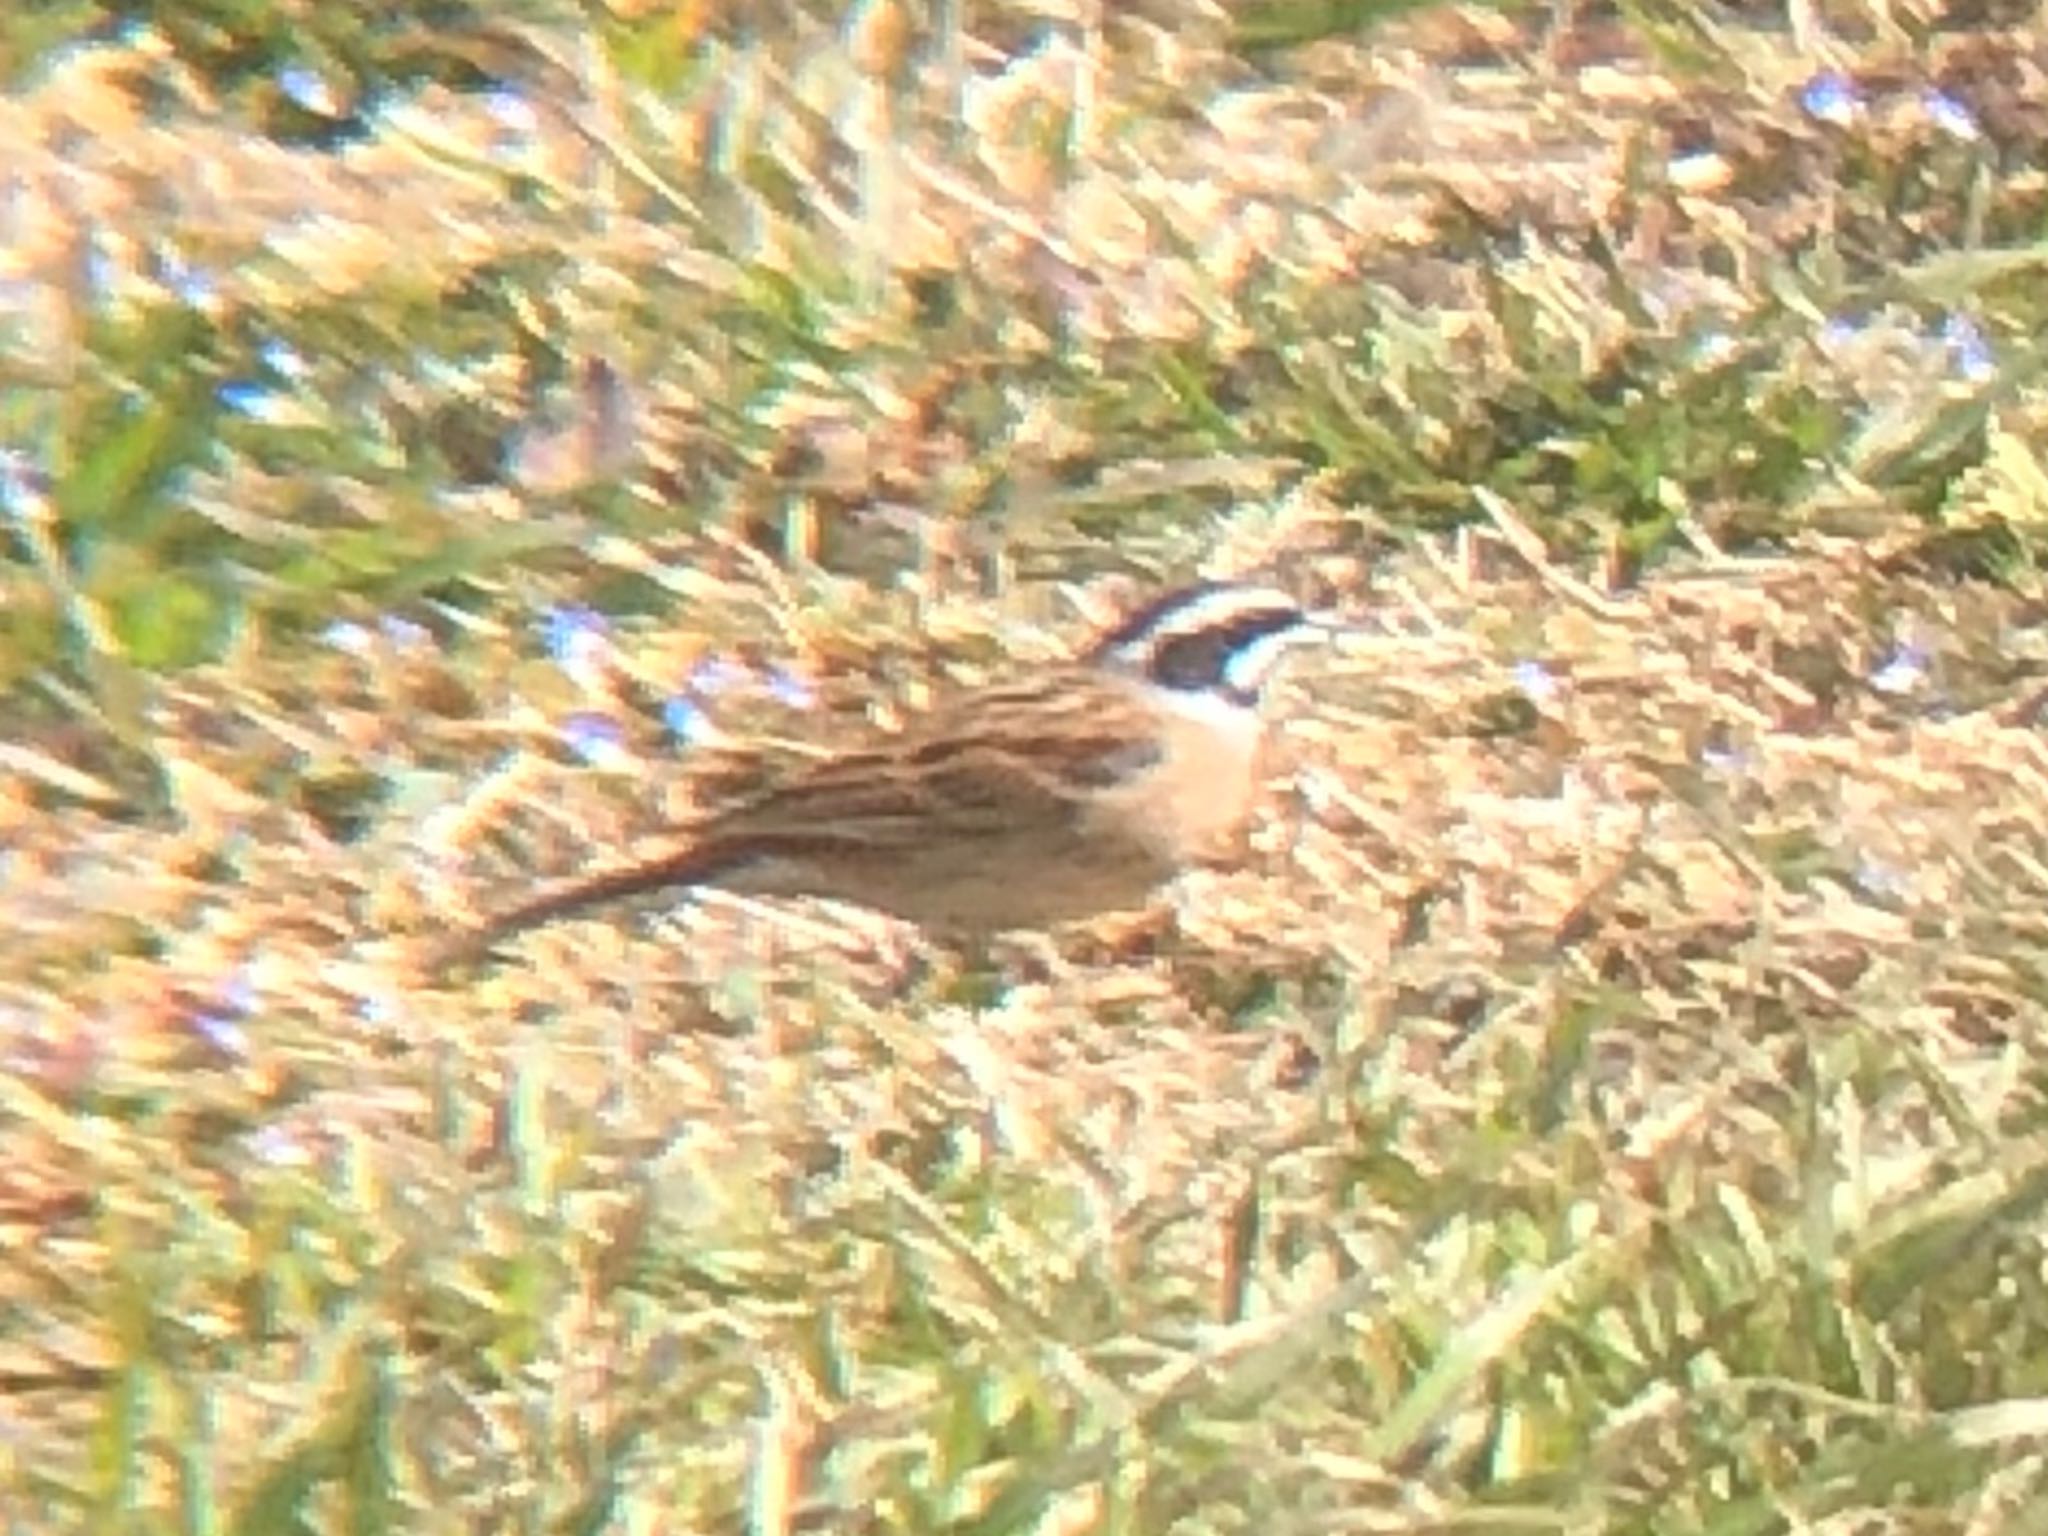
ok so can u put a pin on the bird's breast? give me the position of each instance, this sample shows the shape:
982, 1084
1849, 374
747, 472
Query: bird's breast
1194, 800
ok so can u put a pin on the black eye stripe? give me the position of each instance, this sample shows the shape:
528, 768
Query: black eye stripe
1213, 637
1202, 658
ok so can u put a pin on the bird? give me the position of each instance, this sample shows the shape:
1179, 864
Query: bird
1020, 805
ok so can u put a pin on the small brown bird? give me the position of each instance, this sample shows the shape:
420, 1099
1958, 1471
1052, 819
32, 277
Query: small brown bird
1016, 806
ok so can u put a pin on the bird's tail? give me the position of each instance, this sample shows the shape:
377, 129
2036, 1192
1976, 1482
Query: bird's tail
686, 867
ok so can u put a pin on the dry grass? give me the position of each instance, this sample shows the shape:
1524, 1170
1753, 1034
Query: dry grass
1609, 1099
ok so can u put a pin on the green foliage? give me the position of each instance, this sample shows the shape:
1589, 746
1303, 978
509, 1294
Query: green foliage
1615, 1110
29, 33
243, 47
1262, 26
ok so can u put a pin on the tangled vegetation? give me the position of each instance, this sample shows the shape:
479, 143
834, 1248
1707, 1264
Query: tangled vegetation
1606, 1101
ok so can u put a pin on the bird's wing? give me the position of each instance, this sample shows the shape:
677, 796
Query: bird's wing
1024, 761
1005, 758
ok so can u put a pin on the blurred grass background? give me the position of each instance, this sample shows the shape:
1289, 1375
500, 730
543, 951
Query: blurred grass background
1610, 1100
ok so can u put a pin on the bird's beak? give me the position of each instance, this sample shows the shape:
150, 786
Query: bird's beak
1329, 629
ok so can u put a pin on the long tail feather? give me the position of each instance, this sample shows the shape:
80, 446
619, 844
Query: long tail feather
674, 871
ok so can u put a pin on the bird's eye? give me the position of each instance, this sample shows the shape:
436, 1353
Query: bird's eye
1192, 661
1232, 656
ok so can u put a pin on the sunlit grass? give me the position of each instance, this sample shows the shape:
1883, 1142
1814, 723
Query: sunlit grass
1607, 1100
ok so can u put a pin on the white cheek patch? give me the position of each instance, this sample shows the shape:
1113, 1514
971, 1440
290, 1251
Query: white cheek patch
1230, 721
1246, 672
